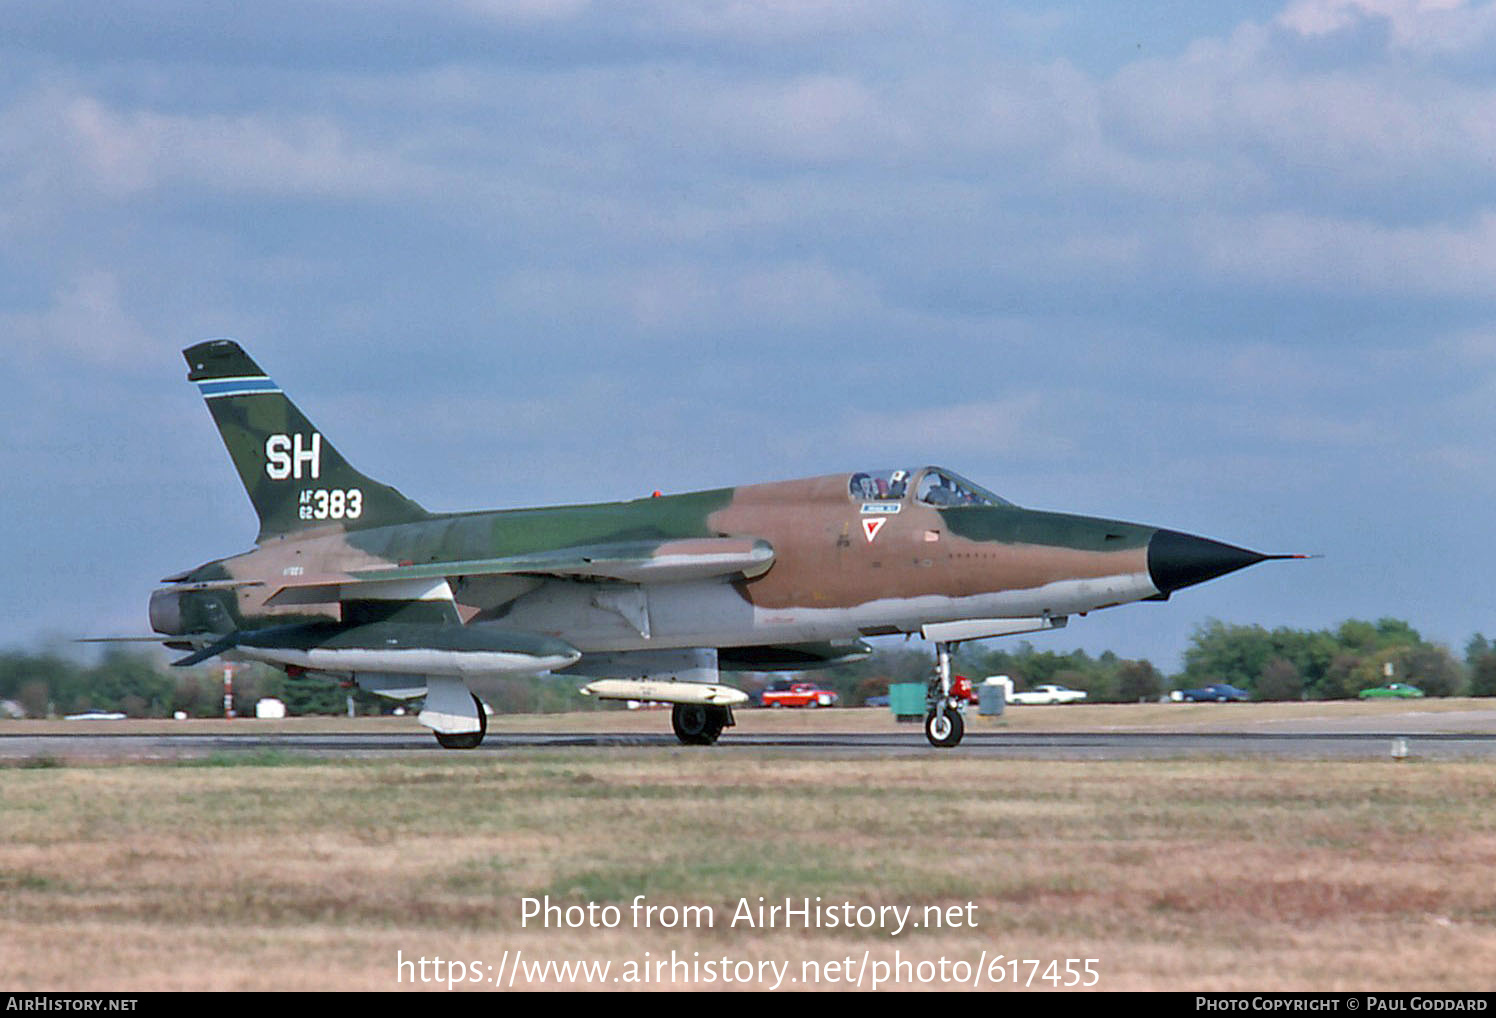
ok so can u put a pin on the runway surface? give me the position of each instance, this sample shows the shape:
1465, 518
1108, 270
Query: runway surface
1336, 745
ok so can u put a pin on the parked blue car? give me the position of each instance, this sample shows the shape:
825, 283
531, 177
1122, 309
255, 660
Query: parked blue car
1220, 692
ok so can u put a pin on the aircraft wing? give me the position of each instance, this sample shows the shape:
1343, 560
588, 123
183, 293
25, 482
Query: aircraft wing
627, 561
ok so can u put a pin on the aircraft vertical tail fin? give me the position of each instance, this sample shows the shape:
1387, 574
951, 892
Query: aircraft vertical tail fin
295, 478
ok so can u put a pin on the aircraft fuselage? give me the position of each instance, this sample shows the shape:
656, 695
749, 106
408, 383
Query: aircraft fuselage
843, 567
349, 577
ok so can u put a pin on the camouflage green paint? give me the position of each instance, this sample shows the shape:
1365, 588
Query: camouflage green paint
1014, 526
502, 533
267, 435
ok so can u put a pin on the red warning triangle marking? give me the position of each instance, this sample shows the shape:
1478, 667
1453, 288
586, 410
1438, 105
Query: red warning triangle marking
872, 526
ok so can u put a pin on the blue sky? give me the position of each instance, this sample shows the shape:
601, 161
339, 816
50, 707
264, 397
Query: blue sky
1222, 268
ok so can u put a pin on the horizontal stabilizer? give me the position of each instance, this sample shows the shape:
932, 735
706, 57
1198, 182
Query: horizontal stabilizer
197, 657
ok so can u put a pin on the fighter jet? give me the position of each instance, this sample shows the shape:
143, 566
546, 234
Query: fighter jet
651, 599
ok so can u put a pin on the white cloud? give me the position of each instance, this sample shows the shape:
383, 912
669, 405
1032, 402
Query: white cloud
86, 321
665, 299
876, 219
815, 118
1012, 427
524, 12
68, 139
1267, 131
776, 22
1471, 348
1423, 27
1350, 257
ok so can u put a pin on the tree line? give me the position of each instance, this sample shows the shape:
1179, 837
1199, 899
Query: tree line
54, 683
1277, 664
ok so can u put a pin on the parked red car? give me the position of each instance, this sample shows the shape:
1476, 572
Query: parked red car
798, 694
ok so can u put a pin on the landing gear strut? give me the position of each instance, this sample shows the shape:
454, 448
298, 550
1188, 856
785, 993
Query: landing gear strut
944, 725
466, 740
697, 724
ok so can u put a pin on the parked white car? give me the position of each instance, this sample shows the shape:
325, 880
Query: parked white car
1048, 693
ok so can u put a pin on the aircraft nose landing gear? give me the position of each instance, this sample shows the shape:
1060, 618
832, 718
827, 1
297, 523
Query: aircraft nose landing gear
944, 725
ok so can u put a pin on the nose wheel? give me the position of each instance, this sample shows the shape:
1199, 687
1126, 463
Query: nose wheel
944, 728
944, 724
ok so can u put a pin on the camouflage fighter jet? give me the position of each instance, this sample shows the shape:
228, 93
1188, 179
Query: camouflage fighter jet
350, 580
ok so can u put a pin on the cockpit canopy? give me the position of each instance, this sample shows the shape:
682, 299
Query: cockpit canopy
931, 485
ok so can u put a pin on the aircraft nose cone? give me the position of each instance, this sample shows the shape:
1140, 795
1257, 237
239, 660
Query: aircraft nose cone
1178, 560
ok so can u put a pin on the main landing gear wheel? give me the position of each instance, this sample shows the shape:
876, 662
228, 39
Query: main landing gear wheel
944, 728
697, 724
466, 740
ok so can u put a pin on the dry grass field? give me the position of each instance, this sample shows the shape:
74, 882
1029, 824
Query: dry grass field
270, 871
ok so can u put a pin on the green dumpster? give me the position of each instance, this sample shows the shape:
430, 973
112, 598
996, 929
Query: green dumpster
907, 700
